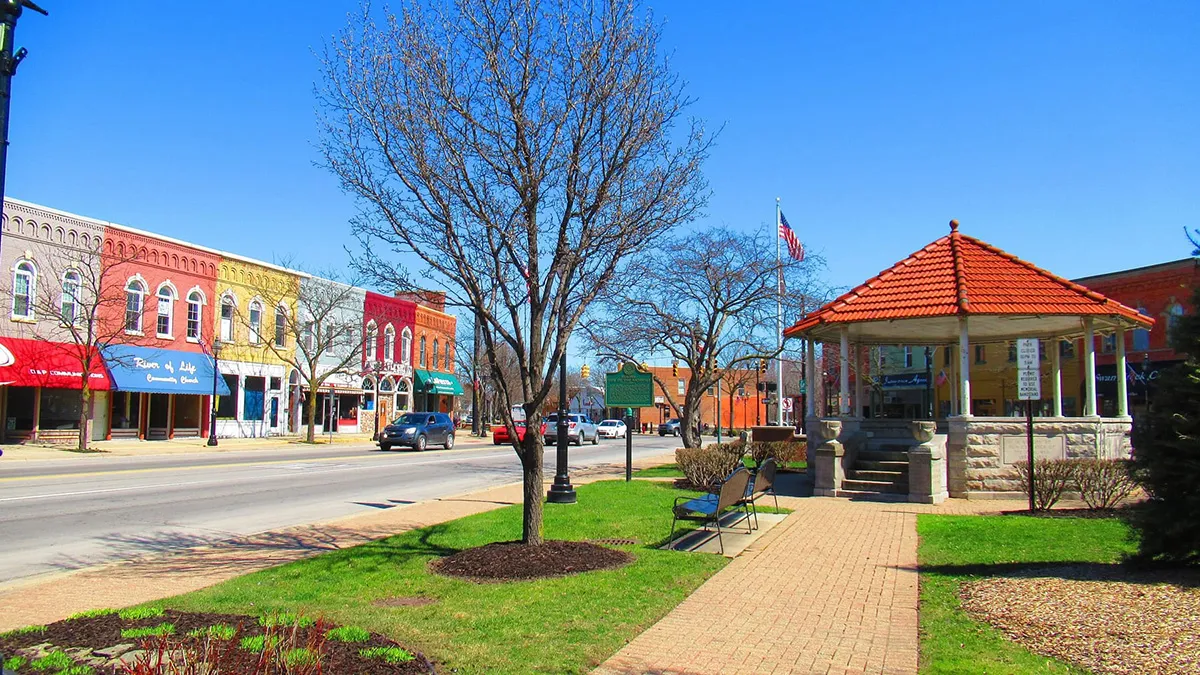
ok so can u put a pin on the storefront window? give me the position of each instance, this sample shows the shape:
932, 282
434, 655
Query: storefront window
60, 409
253, 395
227, 405
20, 408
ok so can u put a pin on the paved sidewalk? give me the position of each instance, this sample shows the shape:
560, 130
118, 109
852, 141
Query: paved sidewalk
832, 589
47, 599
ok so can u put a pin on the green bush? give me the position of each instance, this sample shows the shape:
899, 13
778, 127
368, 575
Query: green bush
1052, 477
1103, 483
706, 467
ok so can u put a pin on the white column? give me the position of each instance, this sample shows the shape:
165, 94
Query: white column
1056, 374
810, 397
858, 381
1122, 383
1089, 365
964, 368
953, 377
844, 390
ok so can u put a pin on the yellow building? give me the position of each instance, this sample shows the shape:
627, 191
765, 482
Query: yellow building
994, 379
256, 301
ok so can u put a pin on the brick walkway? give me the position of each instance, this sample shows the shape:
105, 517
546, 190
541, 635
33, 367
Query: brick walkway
832, 589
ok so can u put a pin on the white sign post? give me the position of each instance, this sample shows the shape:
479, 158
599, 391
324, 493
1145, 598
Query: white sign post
1029, 389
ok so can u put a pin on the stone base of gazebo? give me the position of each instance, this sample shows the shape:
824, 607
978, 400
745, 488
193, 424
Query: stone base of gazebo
982, 451
974, 460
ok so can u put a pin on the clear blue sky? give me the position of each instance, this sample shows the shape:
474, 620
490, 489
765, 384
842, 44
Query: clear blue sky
1064, 132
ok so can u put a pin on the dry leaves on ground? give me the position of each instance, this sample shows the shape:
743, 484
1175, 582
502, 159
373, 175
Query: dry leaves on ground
1099, 617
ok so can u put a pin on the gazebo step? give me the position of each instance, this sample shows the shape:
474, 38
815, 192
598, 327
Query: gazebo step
882, 455
871, 495
881, 476
876, 486
879, 465
891, 446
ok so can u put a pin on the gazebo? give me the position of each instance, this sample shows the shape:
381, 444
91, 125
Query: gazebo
958, 291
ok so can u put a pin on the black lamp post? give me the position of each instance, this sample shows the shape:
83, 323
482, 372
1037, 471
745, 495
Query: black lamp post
1146, 379
562, 492
212, 418
10, 11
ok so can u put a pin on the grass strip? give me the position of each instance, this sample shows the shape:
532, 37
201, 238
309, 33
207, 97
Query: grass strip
139, 613
148, 631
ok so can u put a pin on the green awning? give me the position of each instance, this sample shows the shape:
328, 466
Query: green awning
436, 383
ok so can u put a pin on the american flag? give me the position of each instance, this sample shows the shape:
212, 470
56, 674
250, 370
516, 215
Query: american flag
795, 248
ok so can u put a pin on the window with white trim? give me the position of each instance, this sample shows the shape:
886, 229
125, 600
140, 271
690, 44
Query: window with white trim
435, 353
406, 346
135, 298
446, 355
24, 282
166, 304
194, 313
372, 341
422, 361
227, 308
69, 304
280, 327
389, 344
255, 322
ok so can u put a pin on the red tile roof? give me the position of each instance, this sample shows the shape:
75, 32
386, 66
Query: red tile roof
961, 275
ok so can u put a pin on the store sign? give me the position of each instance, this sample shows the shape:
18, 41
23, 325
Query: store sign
390, 368
904, 381
162, 371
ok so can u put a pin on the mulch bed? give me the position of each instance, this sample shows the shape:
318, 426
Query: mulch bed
1066, 513
514, 561
104, 632
1106, 618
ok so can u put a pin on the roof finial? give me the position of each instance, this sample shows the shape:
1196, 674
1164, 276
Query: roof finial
954, 226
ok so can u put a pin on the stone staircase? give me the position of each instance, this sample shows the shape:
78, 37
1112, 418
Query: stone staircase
880, 469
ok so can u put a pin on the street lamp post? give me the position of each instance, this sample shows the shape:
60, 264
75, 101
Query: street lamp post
212, 418
10, 11
562, 492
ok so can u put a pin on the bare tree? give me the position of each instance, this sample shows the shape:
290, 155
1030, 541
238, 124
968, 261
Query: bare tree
317, 329
83, 315
708, 299
524, 150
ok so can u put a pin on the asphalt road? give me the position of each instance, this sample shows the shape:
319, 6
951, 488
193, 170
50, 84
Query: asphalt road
73, 513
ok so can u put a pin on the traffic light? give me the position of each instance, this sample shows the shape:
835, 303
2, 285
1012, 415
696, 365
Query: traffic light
762, 366
645, 367
585, 371
674, 369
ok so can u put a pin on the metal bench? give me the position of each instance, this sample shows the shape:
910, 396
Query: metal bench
710, 508
762, 483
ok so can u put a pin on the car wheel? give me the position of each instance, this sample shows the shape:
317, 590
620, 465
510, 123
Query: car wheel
420, 444
596, 439
450, 441
385, 447
495, 442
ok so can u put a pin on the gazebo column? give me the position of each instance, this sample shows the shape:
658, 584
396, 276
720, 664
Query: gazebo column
1056, 374
1089, 365
1122, 383
953, 378
858, 381
844, 388
810, 397
964, 368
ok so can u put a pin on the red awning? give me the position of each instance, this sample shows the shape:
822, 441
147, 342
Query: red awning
55, 365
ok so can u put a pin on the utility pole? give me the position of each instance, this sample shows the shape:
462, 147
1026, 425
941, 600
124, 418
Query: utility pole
10, 11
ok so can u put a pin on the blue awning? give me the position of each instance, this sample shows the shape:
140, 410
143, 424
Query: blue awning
161, 371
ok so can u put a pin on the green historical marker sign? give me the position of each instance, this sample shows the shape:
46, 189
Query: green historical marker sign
628, 388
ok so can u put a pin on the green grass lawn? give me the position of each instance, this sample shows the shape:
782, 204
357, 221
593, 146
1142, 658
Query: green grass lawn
955, 549
563, 625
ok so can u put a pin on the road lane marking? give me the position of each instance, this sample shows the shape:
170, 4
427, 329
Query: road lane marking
103, 490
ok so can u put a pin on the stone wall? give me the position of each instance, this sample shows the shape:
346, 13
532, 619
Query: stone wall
982, 451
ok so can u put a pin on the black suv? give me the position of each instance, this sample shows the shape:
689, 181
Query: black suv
419, 430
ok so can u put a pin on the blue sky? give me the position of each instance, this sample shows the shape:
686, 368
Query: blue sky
1064, 132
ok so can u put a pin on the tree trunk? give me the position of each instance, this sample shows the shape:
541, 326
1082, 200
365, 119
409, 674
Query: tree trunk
85, 401
311, 434
531, 477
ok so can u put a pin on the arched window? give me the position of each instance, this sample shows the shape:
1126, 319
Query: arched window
435, 353
1141, 336
24, 282
135, 297
422, 359
195, 303
166, 304
389, 343
280, 327
372, 341
255, 322
70, 298
227, 308
447, 355
406, 346
1174, 311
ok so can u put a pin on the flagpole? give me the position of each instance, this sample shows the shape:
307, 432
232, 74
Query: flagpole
778, 322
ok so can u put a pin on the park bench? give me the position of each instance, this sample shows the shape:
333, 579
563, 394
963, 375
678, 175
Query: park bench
710, 508
762, 483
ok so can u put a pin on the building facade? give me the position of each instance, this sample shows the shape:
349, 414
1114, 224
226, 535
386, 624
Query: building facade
387, 358
435, 387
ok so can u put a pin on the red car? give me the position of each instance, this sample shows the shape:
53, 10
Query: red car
500, 433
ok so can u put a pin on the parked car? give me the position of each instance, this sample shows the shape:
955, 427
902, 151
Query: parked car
612, 429
671, 428
419, 430
500, 433
579, 429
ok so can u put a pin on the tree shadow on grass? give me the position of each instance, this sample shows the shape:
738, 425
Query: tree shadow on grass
1074, 571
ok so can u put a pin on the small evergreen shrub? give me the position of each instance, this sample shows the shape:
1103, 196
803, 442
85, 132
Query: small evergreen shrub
1051, 478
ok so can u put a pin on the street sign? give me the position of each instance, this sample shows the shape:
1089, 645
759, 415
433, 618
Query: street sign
787, 404
803, 386
1027, 354
1029, 385
629, 388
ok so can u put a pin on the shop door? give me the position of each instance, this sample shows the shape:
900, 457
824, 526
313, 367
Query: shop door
274, 412
385, 411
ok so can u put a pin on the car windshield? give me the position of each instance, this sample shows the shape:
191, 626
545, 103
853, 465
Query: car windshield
410, 418
608, 423
674, 420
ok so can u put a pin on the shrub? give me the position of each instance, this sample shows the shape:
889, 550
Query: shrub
348, 634
706, 467
1103, 483
782, 451
1052, 477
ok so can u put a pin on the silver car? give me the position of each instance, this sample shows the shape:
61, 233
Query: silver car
579, 429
